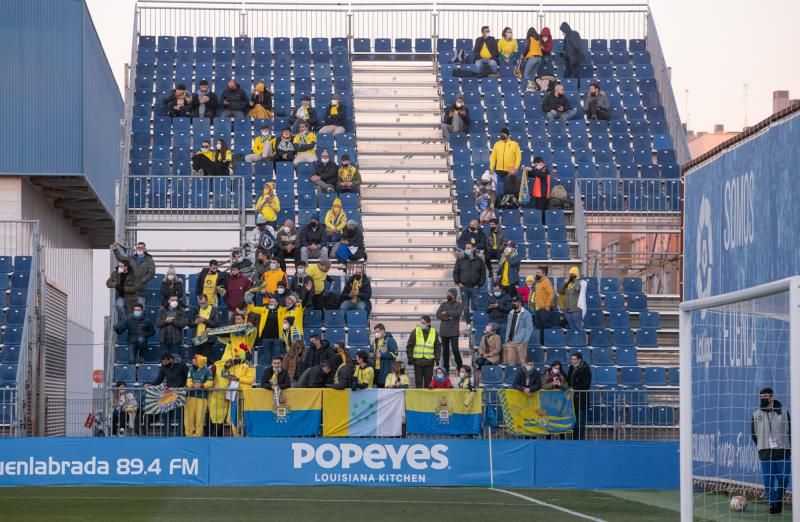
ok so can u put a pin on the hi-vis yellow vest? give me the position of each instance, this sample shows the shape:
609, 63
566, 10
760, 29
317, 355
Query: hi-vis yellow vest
424, 349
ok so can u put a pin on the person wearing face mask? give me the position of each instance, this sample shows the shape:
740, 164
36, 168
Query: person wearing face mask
143, 267
263, 146
363, 373
351, 244
171, 320
314, 241
532, 56
573, 293
204, 102
305, 145
519, 328
526, 293
540, 187
290, 332
498, 307
348, 176
320, 351
326, 173
295, 360
335, 117
508, 268
489, 348
179, 103
469, 273
579, 379
304, 114
474, 236
292, 307
139, 329
245, 264
276, 376
261, 239
198, 381
440, 380
505, 160
425, 349
357, 291
284, 146
171, 285
456, 118
382, 353
507, 48
223, 159
302, 284
485, 194
204, 317
210, 281
271, 331
319, 274
172, 374
335, 220
495, 244
261, 102
343, 376
485, 50
269, 204
126, 286
555, 378
465, 381
543, 295
770, 430
236, 286
270, 279
288, 241
449, 313
527, 380
397, 378
203, 160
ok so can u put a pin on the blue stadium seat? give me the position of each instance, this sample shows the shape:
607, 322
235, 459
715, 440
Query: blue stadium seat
646, 337
554, 337
554, 217
125, 373
626, 356
19, 297
614, 302
559, 251
604, 375
575, 338
358, 337
593, 319
537, 250
600, 337
649, 320
15, 316
655, 376
632, 285
423, 45
537, 354
357, 319
619, 319
637, 302
19, 280
623, 337
147, 373
492, 375
6, 265
602, 356
609, 285
674, 376
334, 318
558, 354
333, 334
631, 376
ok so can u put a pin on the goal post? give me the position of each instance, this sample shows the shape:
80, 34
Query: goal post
731, 346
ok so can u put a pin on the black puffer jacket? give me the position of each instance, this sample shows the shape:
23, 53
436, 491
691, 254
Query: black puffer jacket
573, 48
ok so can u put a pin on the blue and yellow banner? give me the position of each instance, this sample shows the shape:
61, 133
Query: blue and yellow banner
544, 412
293, 412
444, 412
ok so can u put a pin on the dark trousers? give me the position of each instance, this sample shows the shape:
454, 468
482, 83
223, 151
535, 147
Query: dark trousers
542, 322
282, 255
136, 348
488, 257
541, 204
167, 347
270, 348
571, 70
422, 375
580, 404
450, 343
469, 296
511, 290
209, 168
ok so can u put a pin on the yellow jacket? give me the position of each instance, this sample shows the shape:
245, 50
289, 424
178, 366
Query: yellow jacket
534, 48
259, 141
271, 278
318, 276
308, 139
336, 217
207, 153
364, 375
218, 407
296, 312
507, 48
269, 210
505, 154
543, 294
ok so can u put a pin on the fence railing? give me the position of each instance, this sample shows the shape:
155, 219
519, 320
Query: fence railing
180, 198
648, 196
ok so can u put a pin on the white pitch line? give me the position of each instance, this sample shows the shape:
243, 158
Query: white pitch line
551, 506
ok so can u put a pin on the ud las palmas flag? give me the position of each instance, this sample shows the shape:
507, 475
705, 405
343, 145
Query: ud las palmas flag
362, 413
544, 412
292, 412
444, 412
160, 399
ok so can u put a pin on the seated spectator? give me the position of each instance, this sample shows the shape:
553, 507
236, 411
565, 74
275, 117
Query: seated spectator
465, 381
179, 103
320, 352
335, 220
127, 289
456, 118
495, 243
508, 268
508, 48
473, 236
498, 307
527, 380
335, 118
532, 56
573, 51
305, 144
556, 105
351, 244
139, 329
288, 244
204, 102
263, 146
304, 114
364, 374
559, 197
295, 359
398, 377
198, 380
540, 186
571, 290
597, 104
383, 353
343, 376
284, 148
319, 274
210, 281
269, 204
326, 173
348, 176
357, 291
204, 317
275, 378
449, 315
171, 320
555, 378
123, 416
236, 287
519, 329
313, 241
469, 273
261, 102
223, 159
547, 42
485, 51
440, 380
203, 160
234, 101
485, 194
171, 285
319, 376
505, 160
543, 296
263, 237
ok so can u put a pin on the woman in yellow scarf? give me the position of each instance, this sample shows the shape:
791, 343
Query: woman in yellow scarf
261, 102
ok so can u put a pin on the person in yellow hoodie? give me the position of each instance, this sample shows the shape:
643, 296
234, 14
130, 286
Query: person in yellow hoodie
263, 146
319, 274
508, 47
335, 220
269, 204
198, 382
505, 159
292, 308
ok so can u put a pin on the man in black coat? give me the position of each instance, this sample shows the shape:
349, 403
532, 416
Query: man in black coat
139, 329
527, 379
276, 376
485, 50
499, 307
573, 51
579, 378
204, 102
456, 118
326, 173
319, 376
469, 273
179, 103
172, 374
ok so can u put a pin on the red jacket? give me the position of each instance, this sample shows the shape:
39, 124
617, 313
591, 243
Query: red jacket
235, 288
436, 384
547, 47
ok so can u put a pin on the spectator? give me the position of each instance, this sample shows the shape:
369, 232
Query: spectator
172, 373
313, 241
295, 359
507, 48
335, 220
262, 238
556, 105
546, 41
291, 333
144, 268
285, 149
597, 104
526, 292
223, 159
198, 380
263, 146
293, 307
269, 204
485, 192
305, 145
498, 307
465, 381
579, 379
532, 56
456, 118
210, 281
474, 236
527, 380
469, 273
554, 378
271, 338
383, 353
540, 193
234, 101
357, 291
275, 377
351, 244
139, 329
236, 286
280, 294
425, 348
485, 51
771, 433
171, 320
504, 160
318, 376
288, 244
571, 290
398, 377
261, 102
123, 416
348, 176
343, 377
573, 51
508, 269
440, 379
270, 279
252, 315
204, 317
179, 103
235, 368
449, 313
204, 102
519, 330
326, 173
127, 289
495, 244
489, 347
559, 197
319, 351
543, 295
364, 374
319, 273
335, 117
171, 285
304, 114
203, 160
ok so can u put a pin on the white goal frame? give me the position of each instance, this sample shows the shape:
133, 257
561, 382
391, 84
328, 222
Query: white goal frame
790, 285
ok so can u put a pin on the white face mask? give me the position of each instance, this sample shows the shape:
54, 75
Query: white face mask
173, 304
265, 133
287, 229
219, 146
556, 371
285, 326
281, 290
139, 252
325, 161
334, 102
463, 375
507, 250
277, 370
488, 330
459, 104
529, 367
301, 271
171, 277
204, 148
378, 335
121, 269
273, 266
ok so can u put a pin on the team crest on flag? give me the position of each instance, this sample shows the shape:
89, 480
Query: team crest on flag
443, 411
544, 412
293, 412
281, 408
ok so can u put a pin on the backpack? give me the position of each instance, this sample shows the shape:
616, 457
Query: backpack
457, 56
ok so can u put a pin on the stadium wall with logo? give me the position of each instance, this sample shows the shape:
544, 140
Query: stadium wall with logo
331, 461
742, 229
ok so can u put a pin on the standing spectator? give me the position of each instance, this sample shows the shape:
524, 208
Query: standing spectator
540, 193
343, 377
269, 204
469, 273
203, 160
234, 101
236, 286
465, 381
171, 320
335, 117
210, 281
543, 295
357, 291
485, 51
172, 374
449, 313
171, 285
261, 102
597, 104
507, 47
472, 235
456, 118
127, 289
271, 340
335, 220
383, 353
263, 146
526, 293
291, 333
508, 269
364, 374
556, 105
771, 433
275, 377
319, 352
319, 376
351, 244
489, 349
304, 114
199, 379
498, 307
554, 377
204, 318
288, 244
295, 359
326, 173
485, 193
319, 273
573, 51
284, 148
262, 238
440, 379
532, 56
527, 380
518, 331
204, 102
505, 160
139, 329
292, 307
579, 379
495, 244
398, 377
271, 278
313, 241
305, 145
425, 348
179, 103
144, 268
348, 176
571, 289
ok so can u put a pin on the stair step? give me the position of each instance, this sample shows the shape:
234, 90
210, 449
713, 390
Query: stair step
391, 65
369, 104
404, 177
434, 133
425, 256
393, 78
377, 271
416, 161
396, 120
396, 147
398, 194
404, 206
